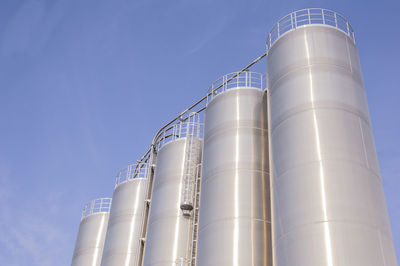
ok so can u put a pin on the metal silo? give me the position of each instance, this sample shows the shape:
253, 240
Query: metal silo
328, 202
127, 217
234, 227
169, 239
92, 231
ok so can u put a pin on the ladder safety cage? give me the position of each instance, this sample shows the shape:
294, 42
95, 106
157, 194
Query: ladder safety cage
196, 216
192, 158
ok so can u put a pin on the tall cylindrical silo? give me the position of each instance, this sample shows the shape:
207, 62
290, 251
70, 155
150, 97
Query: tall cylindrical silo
328, 203
169, 236
234, 227
92, 231
127, 217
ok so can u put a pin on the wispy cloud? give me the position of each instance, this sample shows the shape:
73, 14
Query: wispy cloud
22, 27
30, 234
215, 26
29, 30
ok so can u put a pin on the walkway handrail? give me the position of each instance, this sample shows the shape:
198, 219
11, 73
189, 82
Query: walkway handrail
101, 205
235, 80
137, 170
306, 17
190, 128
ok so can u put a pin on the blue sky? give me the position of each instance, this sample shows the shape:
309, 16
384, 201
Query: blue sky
85, 84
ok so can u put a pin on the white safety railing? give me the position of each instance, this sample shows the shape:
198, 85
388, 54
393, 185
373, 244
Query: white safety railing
138, 170
305, 17
96, 206
234, 80
190, 128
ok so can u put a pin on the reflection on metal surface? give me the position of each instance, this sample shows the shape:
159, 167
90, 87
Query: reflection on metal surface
235, 250
92, 230
125, 226
329, 207
328, 245
234, 226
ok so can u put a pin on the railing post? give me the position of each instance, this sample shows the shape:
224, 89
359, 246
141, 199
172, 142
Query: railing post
237, 80
323, 16
291, 21
335, 19
261, 79
92, 206
279, 34
269, 42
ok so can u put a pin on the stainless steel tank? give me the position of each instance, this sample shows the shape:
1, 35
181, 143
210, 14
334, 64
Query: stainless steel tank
92, 231
328, 202
127, 217
234, 226
170, 226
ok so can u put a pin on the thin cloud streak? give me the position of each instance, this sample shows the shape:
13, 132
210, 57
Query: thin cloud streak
30, 232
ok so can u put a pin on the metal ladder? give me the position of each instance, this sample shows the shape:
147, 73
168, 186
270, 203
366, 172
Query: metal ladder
189, 178
195, 221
